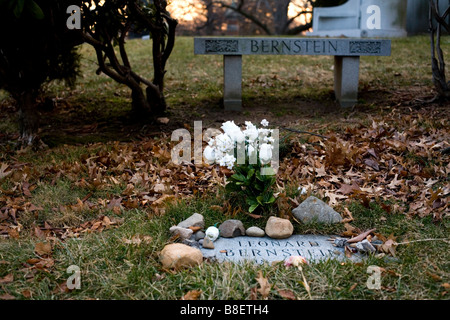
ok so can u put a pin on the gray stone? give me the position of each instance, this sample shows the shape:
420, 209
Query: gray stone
279, 228
315, 210
259, 250
196, 220
365, 246
232, 228
255, 232
191, 243
199, 235
183, 233
207, 244
340, 242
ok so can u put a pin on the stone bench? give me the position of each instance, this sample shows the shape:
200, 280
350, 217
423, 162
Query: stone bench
346, 52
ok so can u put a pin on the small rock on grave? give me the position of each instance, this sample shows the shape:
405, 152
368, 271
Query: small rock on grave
208, 244
183, 233
365, 246
255, 232
199, 235
178, 256
232, 228
196, 220
315, 210
279, 228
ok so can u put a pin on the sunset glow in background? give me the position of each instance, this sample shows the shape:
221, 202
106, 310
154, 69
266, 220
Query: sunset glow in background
189, 10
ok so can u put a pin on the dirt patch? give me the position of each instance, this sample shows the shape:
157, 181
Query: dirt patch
72, 124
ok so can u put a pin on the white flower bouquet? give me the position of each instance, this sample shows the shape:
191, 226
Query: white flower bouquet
246, 152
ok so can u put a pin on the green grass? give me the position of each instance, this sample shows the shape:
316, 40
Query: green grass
112, 269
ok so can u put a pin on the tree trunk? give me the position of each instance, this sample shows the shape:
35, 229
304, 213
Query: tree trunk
28, 117
139, 103
157, 101
281, 16
438, 64
150, 103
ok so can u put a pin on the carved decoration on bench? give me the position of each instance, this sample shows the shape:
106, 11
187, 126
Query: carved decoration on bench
227, 46
365, 47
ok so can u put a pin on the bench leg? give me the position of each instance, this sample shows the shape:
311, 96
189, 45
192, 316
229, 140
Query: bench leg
346, 78
232, 83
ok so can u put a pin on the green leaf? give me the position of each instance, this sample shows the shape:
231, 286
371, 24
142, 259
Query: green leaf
253, 208
250, 173
260, 199
231, 187
18, 8
271, 200
238, 177
35, 10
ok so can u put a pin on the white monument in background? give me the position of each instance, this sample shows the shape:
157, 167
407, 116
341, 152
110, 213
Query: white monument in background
361, 19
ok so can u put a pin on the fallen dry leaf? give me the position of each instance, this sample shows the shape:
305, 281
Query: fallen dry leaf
138, 239
389, 246
61, 288
7, 296
361, 236
287, 294
353, 287
27, 294
192, 295
7, 279
163, 120
194, 229
264, 285
3, 172
43, 248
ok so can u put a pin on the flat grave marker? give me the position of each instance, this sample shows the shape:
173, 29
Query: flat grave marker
312, 247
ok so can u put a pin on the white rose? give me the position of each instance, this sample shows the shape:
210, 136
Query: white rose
235, 133
249, 125
250, 150
264, 123
265, 153
209, 154
224, 143
263, 133
251, 133
238, 136
227, 161
212, 233
229, 127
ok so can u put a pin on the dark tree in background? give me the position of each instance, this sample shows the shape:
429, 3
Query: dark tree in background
437, 55
271, 16
105, 28
35, 48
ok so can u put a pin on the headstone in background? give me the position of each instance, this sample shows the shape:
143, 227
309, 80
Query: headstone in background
356, 18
